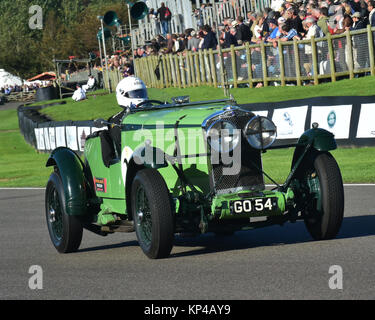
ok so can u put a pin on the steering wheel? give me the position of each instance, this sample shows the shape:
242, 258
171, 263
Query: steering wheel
148, 101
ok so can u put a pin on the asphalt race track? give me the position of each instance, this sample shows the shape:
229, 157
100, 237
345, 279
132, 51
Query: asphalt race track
271, 263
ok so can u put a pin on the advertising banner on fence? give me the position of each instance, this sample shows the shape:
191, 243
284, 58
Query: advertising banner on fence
290, 122
335, 119
60, 137
52, 137
46, 139
39, 135
71, 137
366, 123
82, 133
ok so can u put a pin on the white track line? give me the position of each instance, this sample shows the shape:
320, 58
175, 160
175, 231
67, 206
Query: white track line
345, 185
268, 185
26, 188
359, 184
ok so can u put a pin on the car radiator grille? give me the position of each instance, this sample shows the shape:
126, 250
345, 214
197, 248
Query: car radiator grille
248, 167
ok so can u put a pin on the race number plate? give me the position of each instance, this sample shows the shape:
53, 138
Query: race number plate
254, 206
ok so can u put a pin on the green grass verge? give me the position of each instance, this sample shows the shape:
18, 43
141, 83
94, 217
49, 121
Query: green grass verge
21, 165
356, 164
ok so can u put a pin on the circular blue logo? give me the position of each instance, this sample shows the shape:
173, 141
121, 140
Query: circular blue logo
331, 119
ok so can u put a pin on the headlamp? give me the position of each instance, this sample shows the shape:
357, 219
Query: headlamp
260, 132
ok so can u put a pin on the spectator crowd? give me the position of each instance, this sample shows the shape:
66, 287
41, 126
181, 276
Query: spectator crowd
8, 89
285, 21
293, 19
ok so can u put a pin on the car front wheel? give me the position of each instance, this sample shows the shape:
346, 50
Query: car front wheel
326, 209
65, 231
152, 214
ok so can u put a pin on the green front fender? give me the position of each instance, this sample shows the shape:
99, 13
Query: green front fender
311, 143
71, 171
315, 139
319, 139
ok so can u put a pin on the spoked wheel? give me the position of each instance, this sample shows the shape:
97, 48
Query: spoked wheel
325, 211
143, 217
152, 214
65, 231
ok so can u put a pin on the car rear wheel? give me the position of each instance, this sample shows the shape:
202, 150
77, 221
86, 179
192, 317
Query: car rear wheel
326, 210
65, 231
152, 214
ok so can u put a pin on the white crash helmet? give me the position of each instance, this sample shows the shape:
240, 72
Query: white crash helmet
131, 91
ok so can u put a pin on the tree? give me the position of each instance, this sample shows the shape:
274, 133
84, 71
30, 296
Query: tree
69, 28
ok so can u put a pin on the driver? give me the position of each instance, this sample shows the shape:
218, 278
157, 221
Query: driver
129, 93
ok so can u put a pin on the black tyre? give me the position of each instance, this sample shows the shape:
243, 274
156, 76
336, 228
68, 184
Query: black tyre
152, 214
65, 231
326, 212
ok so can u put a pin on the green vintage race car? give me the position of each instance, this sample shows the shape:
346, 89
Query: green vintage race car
188, 167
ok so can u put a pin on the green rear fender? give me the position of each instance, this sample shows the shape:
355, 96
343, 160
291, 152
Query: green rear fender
71, 170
